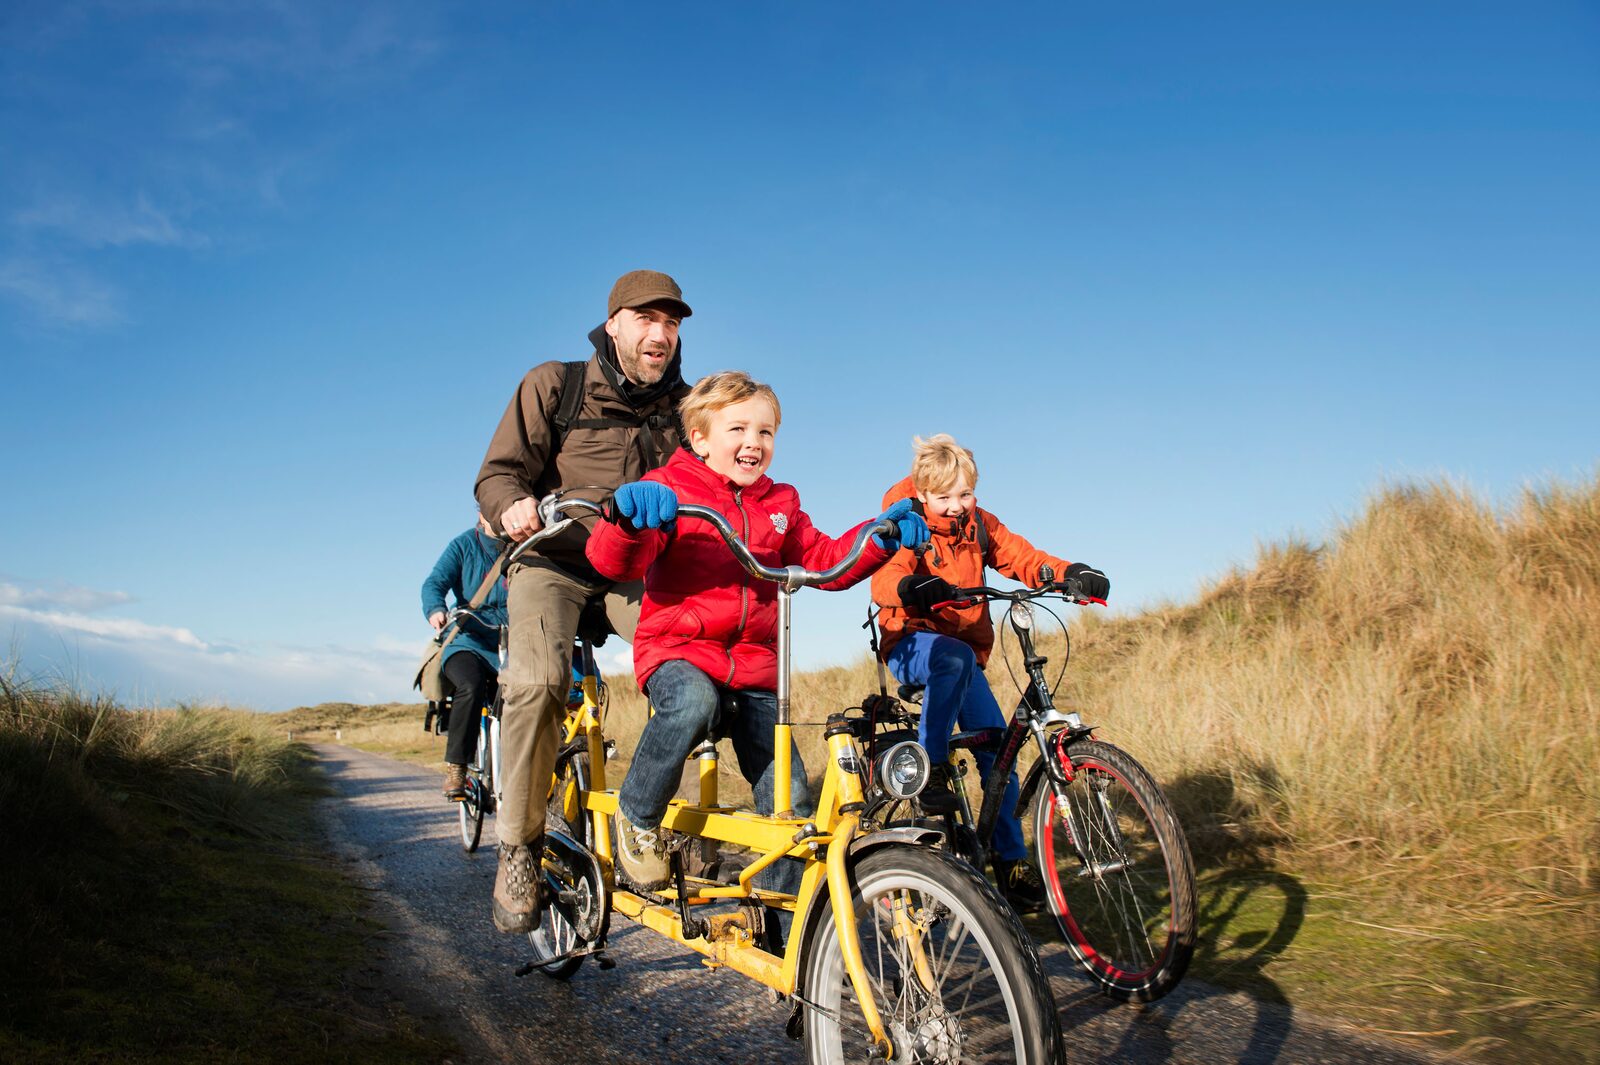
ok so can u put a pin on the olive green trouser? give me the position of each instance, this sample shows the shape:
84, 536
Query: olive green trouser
543, 603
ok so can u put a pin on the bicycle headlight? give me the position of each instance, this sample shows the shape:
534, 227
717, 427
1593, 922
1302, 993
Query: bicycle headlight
1022, 615
903, 769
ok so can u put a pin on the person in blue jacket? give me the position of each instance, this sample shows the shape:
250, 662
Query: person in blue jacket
471, 664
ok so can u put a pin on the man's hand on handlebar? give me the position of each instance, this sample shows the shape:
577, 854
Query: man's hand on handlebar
436, 619
644, 505
521, 519
913, 531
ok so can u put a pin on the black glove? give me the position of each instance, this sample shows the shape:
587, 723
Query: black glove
921, 591
1095, 585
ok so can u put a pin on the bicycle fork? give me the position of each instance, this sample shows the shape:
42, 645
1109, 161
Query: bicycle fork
1059, 775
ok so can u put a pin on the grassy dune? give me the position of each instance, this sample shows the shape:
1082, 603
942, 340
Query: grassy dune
164, 899
1385, 749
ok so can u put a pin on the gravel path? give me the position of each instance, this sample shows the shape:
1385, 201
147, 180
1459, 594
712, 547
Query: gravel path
660, 1005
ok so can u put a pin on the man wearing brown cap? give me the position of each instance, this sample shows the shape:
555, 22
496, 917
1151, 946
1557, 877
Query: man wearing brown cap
604, 423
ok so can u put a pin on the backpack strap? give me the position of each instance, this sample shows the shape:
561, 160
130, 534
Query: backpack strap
982, 532
566, 418
571, 399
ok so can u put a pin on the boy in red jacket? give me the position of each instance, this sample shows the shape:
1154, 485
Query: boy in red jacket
945, 649
706, 646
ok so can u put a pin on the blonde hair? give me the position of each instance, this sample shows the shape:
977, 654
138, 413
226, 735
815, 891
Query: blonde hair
720, 390
938, 462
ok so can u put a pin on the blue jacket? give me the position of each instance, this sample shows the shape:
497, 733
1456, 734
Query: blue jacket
462, 567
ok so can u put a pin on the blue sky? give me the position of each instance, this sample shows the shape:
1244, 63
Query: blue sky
1186, 278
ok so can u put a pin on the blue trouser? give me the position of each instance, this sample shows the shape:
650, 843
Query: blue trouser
687, 705
957, 692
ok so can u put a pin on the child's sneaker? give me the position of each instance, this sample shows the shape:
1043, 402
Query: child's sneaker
1020, 884
643, 855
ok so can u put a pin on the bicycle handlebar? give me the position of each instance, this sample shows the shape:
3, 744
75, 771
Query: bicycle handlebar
1071, 589
453, 617
791, 578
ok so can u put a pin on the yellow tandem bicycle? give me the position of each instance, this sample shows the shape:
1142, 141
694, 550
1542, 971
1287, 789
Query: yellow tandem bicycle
896, 951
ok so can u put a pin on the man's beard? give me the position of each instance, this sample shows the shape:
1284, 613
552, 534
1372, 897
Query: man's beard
635, 369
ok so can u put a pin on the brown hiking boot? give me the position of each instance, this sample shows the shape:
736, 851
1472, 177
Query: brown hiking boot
455, 782
642, 854
1020, 884
518, 884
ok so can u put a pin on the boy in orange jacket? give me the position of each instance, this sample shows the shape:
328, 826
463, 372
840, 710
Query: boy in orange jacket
944, 649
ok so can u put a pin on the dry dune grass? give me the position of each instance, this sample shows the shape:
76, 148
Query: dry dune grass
1422, 689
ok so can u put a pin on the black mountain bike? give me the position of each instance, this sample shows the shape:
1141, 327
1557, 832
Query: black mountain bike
1118, 876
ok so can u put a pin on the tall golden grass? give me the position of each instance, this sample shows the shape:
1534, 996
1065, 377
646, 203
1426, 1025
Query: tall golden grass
208, 765
1421, 689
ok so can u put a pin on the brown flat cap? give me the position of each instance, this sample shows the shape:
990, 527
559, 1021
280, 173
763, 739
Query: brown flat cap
639, 287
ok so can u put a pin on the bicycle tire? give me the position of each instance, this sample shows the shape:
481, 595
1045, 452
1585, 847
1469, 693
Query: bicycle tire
470, 812
556, 936
1124, 902
982, 961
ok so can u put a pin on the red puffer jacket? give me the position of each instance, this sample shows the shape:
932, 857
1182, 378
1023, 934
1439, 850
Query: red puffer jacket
699, 603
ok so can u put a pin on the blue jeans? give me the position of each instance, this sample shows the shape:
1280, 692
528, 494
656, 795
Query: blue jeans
687, 705
957, 692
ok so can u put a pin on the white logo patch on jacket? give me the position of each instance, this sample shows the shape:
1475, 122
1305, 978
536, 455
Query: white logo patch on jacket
780, 522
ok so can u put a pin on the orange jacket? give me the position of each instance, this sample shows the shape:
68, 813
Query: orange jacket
955, 555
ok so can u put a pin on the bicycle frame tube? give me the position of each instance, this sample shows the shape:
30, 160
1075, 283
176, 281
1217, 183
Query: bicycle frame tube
782, 738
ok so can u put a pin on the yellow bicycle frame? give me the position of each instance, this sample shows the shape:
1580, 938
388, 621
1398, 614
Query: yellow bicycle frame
822, 842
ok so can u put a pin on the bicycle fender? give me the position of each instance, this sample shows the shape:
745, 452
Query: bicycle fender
805, 924
911, 835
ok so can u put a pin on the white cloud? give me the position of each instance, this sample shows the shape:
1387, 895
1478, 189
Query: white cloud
61, 295
143, 664
124, 629
108, 225
41, 595
193, 121
61, 630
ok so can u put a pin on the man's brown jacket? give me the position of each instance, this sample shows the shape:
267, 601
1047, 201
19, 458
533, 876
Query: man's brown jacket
621, 432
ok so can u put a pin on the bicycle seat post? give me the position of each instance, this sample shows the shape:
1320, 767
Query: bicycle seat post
706, 756
782, 798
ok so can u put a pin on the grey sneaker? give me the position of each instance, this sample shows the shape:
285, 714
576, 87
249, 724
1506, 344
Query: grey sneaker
517, 885
643, 854
455, 782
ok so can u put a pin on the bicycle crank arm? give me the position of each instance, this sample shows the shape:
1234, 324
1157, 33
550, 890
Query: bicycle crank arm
582, 952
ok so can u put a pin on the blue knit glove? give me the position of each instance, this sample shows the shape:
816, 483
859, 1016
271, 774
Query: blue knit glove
645, 505
913, 530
